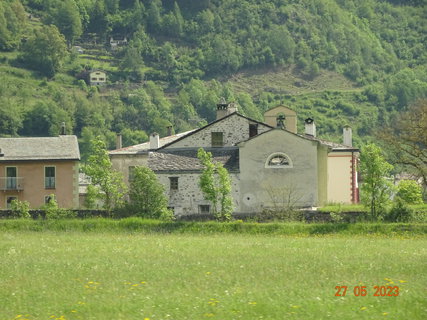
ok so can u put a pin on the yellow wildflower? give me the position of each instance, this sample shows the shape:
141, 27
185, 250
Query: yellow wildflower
363, 308
252, 303
402, 281
385, 313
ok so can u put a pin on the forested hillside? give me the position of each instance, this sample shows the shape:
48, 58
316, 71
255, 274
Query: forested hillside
354, 62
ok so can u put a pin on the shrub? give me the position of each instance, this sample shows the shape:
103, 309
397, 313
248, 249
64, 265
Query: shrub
410, 192
53, 211
400, 212
20, 209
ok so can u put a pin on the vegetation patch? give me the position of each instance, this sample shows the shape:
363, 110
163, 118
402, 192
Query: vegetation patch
72, 275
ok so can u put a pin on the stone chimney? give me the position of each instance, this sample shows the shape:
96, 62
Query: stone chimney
63, 129
224, 109
169, 129
154, 141
310, 127
347, 136
119, 144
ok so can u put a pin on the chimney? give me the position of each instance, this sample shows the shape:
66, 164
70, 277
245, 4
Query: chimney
310, 127
1, 154
224, 109
154, 141
169, 129
63, 129
347, 136
119, 140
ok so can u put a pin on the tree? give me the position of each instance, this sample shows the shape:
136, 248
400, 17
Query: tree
376, 188
12, 24
45, 50
406, 139
108, 182
215, 184
147, 195
66, 16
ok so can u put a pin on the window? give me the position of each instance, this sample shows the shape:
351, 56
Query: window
204, 208
253, 129
49, 177
11, 178
131, 174
9, 201
278, 160
217, 139
173, 181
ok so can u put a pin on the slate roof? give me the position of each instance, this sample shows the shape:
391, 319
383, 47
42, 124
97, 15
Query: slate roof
186, 161
144, 147
43, 148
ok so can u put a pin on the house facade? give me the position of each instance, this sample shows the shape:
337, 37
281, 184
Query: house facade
270, 166
97, 78
32, 169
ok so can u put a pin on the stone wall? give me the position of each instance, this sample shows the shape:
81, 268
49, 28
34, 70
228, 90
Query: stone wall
235, 129
188, 197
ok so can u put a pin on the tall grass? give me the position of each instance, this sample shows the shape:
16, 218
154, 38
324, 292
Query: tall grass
76, 275
185, 227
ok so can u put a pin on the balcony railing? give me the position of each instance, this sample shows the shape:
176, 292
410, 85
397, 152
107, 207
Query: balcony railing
11, 183
49, 182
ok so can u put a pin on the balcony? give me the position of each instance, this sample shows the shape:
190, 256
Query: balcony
11, 184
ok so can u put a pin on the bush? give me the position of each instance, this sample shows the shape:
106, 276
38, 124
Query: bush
20, 209
53, 211
410, 192
400, 212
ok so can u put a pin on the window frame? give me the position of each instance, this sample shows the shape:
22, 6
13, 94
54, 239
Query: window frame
215, 139
202, 208
173, 184
280, 166
49, 185
11, 182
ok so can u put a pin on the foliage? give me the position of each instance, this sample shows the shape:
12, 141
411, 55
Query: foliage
53, 211
410, 192
45, 50
400, 211
376, 188
120, 269
406, 138
20, 209
147, 195
215, 183
108, 182
12, 24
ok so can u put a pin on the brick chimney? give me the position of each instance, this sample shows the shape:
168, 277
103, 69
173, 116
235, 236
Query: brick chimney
154, 141
347, 136
310, 127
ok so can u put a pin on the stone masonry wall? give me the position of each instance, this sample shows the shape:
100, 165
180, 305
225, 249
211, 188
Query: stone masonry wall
235, 129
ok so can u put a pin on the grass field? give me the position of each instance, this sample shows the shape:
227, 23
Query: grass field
124, 275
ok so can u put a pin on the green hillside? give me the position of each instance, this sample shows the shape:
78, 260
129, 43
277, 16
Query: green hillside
339, 61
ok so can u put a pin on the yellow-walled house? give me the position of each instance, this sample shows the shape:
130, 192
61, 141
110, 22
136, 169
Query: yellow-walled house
266, 161
32, 169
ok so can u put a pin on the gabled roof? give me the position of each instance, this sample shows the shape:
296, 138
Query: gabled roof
186, 161
43, 148
144, 147
214, 122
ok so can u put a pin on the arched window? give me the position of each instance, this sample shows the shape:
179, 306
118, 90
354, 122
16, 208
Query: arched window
278, 160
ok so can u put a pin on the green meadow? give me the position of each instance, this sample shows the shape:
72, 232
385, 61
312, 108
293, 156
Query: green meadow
146, 275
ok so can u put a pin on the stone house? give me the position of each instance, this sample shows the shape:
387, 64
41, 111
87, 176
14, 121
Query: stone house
268, 163
97, 77
32, 169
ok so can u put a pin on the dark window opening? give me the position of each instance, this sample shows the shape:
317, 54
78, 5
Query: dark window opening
253, 129
217, 139
278, 160
131, 174
204, 208
9, 201
11, 178
173, 183
49, 177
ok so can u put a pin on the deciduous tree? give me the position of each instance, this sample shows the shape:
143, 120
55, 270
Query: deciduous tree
108, 182
376, 188
215, 184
